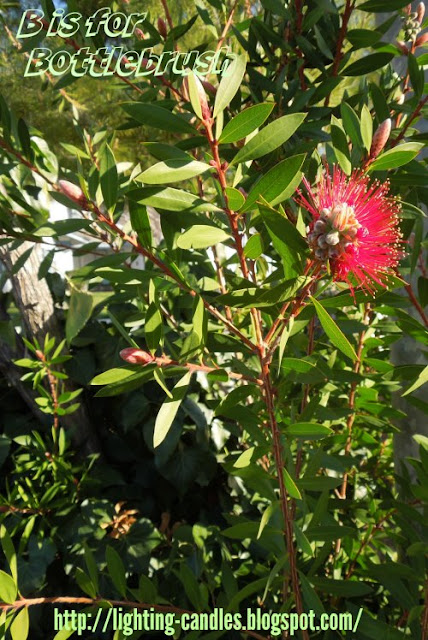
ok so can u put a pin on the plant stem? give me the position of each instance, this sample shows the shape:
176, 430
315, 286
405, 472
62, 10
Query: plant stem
349, 7
351, 418
266, 379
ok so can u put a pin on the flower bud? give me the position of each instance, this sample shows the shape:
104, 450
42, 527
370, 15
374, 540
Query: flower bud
136, 356
73, 192
201, 98
421, 40
163, 31
380, 138
209, 87
420, 12
139, 33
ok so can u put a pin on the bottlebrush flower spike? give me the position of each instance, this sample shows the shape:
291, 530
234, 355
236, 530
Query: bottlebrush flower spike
136, 356
354, 228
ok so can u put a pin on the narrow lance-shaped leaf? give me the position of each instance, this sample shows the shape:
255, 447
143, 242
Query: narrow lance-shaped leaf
80, 311
108, 177
173, 170
201, 236
246, 122
333, 332
21, 625
270, 137
153, 327
230, 84
116, 570
278, 184
169, 409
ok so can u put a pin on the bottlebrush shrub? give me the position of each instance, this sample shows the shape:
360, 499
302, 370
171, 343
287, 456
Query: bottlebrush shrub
232, 327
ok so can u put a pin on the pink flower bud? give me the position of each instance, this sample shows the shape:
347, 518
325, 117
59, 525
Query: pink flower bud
73, 192
163, 31
136, 356
421, 40
402, 46
202, 97
209, 87
420, 12
380, 138
138, 32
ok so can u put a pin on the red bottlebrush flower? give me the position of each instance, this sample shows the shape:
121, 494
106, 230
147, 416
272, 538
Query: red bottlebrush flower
136, 356
354, 228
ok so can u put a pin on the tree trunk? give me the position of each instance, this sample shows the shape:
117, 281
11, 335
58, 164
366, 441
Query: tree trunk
37, 311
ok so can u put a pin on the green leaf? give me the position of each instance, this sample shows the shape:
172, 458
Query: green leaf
85, 583
342, 588
108, 177
141, 223
21, 625
319, 483
351, 124
278, 184
195, 87
80, 311
290, 485
329, 533
91, 566
153, 327
368, 64
169, 409
170, 199
113, 375
46, 264
246, 122
285, 238
270, 138
333, 332
341, 148
366, 127
24, 138
152, 115
416, 75
380, 6
308, 430
173, 170
201, 236
116, 570
420, 380
267, 514
254, 247
8, 588
245, 458
9, 552
363, 38
397, 157
230, 84
235, 198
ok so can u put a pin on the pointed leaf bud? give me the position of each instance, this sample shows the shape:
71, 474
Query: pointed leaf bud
136, 356
73, 192
420, 12
139, 33
403, 48
163, 31
380, 138
198, 97
421, 40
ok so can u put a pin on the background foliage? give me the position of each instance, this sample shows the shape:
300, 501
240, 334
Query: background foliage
88, 503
